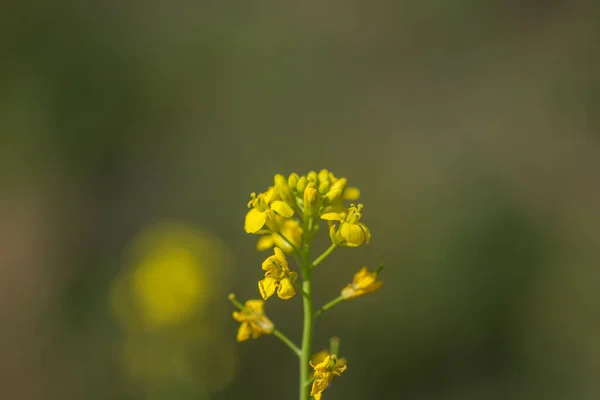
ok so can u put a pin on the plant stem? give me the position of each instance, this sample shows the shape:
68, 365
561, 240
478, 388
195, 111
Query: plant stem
328, 306
306, 349
306, 337
287, 341
323, 256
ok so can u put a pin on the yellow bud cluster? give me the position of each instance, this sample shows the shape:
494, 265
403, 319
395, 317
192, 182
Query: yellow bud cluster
316, 194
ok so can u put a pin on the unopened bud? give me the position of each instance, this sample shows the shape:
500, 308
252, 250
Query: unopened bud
312, 176
283, 189
301, 186
312, 198
323, 176
324, 187
293, 181
336, 190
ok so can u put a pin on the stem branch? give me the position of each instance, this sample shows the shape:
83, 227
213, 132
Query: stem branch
329, 305
323, 256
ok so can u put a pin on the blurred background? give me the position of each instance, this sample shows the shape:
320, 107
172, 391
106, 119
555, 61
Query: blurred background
133, 132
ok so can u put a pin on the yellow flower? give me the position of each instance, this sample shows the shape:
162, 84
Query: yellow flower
262, 207
351, 232
290, 230
364, 282
253, 319
325, 371
277, 277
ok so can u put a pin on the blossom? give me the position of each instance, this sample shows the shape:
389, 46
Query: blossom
253, 320
278, 277
262, 207
325, 371
350, 232
364, 282
288, 236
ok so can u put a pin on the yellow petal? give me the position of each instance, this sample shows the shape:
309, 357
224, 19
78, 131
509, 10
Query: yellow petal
267, 287
318, 386
280, 256
332, 216
353, 234
375, 286
286, 289
351, 193
324, 365
238, 316
360, 274
282, 244
264, 243
282, 208
367, 232
255, 306
318, 358
255, 220
244, 332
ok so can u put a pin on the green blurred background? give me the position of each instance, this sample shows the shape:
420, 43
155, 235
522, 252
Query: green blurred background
130, 129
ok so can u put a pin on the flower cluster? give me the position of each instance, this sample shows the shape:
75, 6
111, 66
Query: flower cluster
306, 197
287, 217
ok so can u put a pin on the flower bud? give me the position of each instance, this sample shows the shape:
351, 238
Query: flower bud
283, 189
323, 176
301, 186
293, 180
324, 187
336, 190
312, 198
312, 176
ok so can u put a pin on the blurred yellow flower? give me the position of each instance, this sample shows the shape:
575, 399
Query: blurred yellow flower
325, 371
364, 282
172, 271
351, 232
253, 321
168, 285
277, 277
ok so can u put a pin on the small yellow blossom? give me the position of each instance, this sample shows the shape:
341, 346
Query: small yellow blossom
364, 282
325, 371
253, 319
262, 207
351, 232
278, 277
288, 236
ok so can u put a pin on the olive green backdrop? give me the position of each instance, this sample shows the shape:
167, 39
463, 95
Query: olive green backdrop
472, 129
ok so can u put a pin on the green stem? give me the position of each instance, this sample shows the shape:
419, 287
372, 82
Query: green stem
327, 306
306, 349
287, 341
323, 256
306, 338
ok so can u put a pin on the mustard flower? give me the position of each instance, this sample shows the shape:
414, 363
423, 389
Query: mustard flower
364, 282
350, 232
262, 207
253, 321
325, 372
278, 277
288, 236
